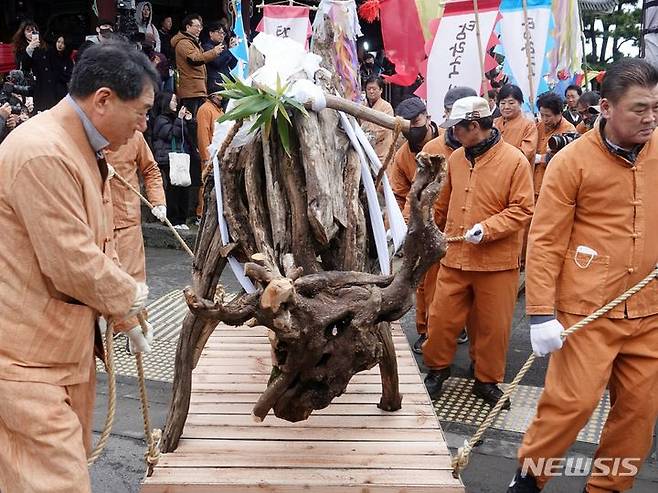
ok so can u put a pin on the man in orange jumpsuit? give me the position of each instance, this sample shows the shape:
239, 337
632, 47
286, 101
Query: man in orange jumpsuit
552, 123
444, 145
488, 198
401, 175
206, 117
380, 137
592, 238
58, 274
131, 158
514, 127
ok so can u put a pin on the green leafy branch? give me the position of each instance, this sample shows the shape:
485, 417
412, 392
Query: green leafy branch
270, 105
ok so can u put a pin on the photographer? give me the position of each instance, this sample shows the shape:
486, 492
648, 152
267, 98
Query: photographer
552, 123
225, 61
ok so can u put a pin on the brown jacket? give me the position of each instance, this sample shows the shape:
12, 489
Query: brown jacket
383, 136
594, 198
126, 160
497, 193
521, 133
206, 117
542, 147
55, 251
191, 63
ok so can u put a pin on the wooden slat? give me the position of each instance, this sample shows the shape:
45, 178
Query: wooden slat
284, 459
350, 446
358, 388
300, 432
298, 476
341, 423
150, 487
335, 409
205, 376
256, 447
373, 399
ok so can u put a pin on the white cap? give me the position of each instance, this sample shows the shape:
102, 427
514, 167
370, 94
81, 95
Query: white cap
468, 108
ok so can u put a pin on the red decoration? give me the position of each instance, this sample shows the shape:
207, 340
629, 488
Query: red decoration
369, 10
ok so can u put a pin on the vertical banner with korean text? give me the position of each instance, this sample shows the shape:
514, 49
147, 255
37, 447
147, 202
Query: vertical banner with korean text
454, 59
284, 21
513, 38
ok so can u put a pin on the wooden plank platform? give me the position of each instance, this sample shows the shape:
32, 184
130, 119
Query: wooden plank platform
349, 446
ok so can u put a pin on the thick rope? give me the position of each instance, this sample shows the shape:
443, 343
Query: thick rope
112, 396
391, 151
152, 455
460, 462
150, 206
224, 147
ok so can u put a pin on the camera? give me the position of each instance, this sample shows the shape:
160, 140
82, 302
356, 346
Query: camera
126, 23
558, 141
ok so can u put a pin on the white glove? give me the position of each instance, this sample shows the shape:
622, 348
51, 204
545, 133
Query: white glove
141, 295
475, 234
138, 342
110, 171
160, 211
546, 337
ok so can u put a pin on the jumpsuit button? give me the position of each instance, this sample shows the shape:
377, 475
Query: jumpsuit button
635, 235
466, 189
461, 227
631, 270
464, 208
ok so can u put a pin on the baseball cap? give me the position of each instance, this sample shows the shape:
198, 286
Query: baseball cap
456, 93
410, 108
468, 108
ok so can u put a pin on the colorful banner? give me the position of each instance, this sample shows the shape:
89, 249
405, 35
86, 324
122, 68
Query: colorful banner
404, 43
241, 51
513, 39
284, 21
455, 59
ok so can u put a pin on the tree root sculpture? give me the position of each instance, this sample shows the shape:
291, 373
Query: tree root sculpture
328, 326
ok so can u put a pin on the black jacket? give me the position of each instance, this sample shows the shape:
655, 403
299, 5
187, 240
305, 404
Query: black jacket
52, 73
222, 64
167, 128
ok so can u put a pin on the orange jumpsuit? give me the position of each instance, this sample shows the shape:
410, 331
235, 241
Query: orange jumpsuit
581, 128
542, 147
425, 291
521, 133
206, 117
130, 158
480, 280
383, 136
595, 198
401, 175
58, 275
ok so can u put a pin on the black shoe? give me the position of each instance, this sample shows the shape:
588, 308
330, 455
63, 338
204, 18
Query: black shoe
489, 392
434, 381
471, 370
418, 345
463, 337
523, 484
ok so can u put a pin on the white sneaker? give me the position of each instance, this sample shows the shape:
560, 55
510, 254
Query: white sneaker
182, 227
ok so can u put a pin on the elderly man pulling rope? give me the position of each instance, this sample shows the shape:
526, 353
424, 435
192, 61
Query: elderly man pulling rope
58, 269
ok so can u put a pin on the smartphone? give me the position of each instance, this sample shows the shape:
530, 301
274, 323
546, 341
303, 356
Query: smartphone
35, 36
